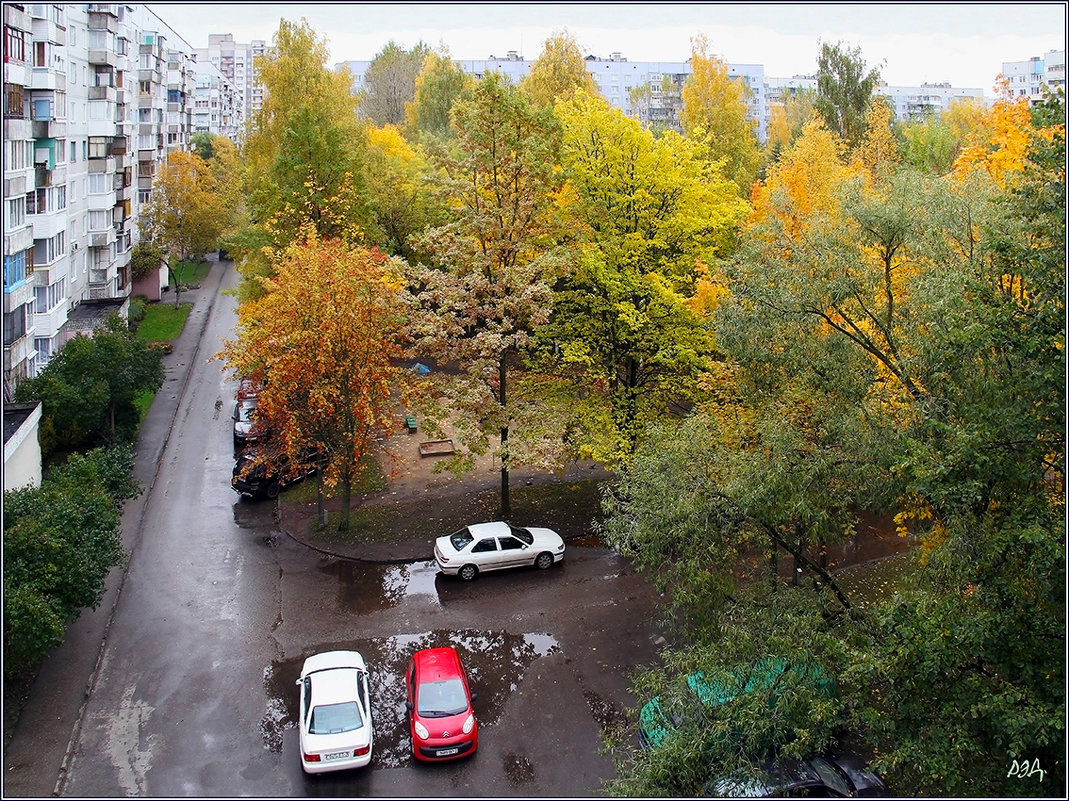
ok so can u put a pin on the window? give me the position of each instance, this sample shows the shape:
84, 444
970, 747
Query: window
74, 152
14, 44
99, 147
15, 324
45, 347
14, 274
16, 212
99, 220
485, 546
13, 97
98, 183
46, 298
45, 251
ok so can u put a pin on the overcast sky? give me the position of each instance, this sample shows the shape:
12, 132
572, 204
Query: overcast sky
911, 43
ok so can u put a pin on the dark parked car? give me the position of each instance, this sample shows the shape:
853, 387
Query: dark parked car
825, 776
258, 474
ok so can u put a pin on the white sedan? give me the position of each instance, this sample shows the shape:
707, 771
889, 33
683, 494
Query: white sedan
335, 712
483, 547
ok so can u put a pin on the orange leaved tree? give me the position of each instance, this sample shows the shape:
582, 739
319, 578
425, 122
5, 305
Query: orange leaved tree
324, 339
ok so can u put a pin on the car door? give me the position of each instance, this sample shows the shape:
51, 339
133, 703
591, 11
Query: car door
485, 554
513, 552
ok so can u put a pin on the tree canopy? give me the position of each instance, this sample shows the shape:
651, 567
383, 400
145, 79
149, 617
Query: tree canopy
390, 83
844, 90
558, 72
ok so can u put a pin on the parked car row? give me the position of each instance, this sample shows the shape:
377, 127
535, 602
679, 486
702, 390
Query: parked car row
335, 717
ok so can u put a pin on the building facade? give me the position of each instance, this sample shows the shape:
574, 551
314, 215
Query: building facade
236, 63
1029, 78
651, 91
96, 95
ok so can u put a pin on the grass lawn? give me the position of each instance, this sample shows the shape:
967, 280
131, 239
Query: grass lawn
192, 272
163, 322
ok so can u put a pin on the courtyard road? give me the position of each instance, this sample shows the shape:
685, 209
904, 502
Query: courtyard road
194, 690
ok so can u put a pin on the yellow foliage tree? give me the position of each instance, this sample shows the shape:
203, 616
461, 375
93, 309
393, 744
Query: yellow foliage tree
878, 151
1000, 146
558, 72
714, 112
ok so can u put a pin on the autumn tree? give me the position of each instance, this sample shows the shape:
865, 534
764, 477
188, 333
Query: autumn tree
184, 216
487, 288
390, 83
786, 119
558, 71
89, 387
648, 218
897, 344
714, 112
439, 83
844, 90
323, 338
401, 191
303, 152
878, 149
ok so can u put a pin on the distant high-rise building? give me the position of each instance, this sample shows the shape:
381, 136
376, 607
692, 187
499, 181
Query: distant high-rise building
651, 91
237, 63
1028, 78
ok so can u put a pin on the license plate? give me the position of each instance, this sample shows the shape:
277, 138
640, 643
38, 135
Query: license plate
448, 751
338, 755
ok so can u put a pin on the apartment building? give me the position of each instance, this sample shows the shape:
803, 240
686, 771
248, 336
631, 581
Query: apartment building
651, 91
218, 106
1029, 78
95, 96
236, 62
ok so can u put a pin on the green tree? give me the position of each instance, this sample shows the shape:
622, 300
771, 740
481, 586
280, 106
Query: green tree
202, 144
439, 83
60, 541
844, 90
390, 83
184, 216
647, 218
303, 153
87, 389
715, 112
903, 339
401, 186
558, 71
487, 290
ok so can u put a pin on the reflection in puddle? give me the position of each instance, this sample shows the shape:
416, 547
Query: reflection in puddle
496, 663
364, 588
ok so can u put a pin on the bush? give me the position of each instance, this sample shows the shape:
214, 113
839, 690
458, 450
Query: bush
60, 542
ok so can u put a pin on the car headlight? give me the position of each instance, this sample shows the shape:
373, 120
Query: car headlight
469, 724
421, 730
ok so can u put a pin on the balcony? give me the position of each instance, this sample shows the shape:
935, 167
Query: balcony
102, 239
102, 93
49, 129
102, 164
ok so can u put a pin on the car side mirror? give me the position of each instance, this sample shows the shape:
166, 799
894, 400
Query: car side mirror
408, 705
299, 682
474, 697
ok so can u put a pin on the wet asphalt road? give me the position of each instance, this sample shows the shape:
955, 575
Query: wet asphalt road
194, 693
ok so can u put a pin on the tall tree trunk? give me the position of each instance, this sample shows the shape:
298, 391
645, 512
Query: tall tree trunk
506, 508
346, 498
172, 268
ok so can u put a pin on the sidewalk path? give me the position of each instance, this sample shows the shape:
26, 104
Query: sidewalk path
36, 759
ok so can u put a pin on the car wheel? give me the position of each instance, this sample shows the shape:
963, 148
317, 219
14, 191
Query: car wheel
544, 560
468, 572
273, 489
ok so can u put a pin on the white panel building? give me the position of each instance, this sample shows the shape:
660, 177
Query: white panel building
95, 96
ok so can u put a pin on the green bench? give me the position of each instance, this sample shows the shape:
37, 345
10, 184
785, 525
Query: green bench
410, 422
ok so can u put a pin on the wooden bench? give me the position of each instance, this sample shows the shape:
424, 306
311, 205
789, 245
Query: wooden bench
410, 422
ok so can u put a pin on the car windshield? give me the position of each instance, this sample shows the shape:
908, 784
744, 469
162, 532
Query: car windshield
522, 534
335, 718
245, 411
440, 699
460, 539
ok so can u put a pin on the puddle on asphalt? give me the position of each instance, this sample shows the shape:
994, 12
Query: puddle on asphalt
496, 662
364, 588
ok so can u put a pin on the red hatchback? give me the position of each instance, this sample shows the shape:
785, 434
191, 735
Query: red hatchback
441, 719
